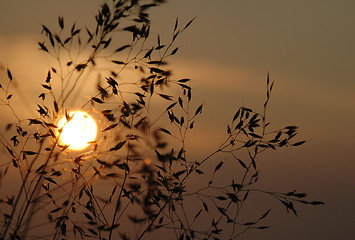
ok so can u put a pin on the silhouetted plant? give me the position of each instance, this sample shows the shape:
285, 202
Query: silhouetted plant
136, 177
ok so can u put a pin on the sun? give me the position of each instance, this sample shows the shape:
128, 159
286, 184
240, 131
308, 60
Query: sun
77, 132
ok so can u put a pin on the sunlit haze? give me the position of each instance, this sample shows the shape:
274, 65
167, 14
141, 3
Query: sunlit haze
307, 47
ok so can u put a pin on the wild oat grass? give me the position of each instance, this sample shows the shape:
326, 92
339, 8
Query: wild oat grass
136, 177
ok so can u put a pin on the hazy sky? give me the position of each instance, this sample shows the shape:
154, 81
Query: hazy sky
307, 46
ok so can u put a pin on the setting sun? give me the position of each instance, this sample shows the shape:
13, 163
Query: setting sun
77, 132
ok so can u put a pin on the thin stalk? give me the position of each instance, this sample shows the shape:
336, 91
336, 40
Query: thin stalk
34, 190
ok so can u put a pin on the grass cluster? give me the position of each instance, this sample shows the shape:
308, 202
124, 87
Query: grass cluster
135, 178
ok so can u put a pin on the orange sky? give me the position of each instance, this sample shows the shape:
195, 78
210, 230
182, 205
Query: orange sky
308, 48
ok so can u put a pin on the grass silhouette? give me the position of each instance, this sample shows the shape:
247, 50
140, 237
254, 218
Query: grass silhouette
137, 176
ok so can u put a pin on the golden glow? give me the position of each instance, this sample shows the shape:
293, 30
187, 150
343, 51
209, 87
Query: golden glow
147, 162
77, 132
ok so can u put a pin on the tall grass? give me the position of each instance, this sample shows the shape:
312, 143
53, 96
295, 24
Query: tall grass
137, 176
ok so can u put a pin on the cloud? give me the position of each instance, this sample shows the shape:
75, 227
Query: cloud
221, 87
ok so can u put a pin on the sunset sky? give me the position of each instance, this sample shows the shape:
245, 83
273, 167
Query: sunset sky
307, 47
